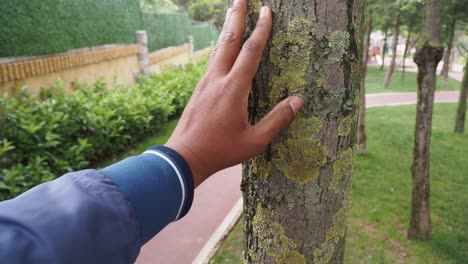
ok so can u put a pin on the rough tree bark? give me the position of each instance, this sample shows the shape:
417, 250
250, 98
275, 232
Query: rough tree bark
384, 49
362, 108
461, 109
446, 66
297, 193
405, 53
427, 57
391, 69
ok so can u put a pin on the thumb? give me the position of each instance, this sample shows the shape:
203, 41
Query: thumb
278, 119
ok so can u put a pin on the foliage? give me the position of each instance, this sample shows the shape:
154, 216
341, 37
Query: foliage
158, 6
52, 26
42, 139
382, 193
209, 10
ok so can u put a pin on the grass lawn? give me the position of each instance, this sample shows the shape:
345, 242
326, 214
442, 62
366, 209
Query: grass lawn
382, 194
375, 77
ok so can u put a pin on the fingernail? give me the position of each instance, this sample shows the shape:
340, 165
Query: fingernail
263, 11
296, 104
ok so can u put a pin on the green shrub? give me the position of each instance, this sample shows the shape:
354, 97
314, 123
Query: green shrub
42, 139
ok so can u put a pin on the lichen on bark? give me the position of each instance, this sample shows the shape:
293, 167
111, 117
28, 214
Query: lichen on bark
291, 54
342, 169
254, 6
271, 237
301, 155
344, 126
339, 44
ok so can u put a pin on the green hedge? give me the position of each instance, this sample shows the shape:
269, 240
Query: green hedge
37, 27
165, 30
214, 35
201, 36
42, 139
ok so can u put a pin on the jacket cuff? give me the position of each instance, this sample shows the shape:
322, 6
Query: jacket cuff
186, 172
159, 186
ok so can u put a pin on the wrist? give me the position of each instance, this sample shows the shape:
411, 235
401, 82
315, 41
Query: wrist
197, 167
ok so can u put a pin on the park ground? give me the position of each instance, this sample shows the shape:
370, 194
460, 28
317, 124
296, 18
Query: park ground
381, 196
382, 184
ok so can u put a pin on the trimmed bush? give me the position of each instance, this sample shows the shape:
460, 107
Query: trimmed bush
42, 139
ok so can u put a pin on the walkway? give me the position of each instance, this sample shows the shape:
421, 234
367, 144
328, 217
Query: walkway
180, 242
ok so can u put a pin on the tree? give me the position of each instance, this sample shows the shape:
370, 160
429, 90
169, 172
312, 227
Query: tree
362, 108
208, 10
461, 109
454, 14
391, 68
159, 6
427, 56
384, 48
411, 18
297, 192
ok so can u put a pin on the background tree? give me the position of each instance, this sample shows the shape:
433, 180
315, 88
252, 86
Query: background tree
158, 6
396, 32
365, 58
427, 57
411, 19
208, 10
461, 109
297, 192
455, 12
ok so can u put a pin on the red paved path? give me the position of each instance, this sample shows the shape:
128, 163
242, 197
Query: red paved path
180, 242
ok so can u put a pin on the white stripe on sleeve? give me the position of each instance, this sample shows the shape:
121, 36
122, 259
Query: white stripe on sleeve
163, 156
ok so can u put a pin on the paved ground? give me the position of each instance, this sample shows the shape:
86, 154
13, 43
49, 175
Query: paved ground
180, 242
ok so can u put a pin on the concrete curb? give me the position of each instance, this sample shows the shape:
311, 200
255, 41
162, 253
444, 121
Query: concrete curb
210, 248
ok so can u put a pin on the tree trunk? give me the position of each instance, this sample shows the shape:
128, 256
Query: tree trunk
391, 69
427, 57
384, 50
446, 66
297, 193
362, 108
461, 109
405, 53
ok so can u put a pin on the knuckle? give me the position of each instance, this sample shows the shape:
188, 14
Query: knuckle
252, 45
228, 37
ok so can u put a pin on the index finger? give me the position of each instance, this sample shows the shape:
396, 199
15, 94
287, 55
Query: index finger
247, 62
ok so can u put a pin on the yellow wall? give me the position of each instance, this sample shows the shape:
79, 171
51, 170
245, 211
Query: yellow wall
119, 63
109, 64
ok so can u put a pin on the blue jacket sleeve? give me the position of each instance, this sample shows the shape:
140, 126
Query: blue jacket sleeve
97, 216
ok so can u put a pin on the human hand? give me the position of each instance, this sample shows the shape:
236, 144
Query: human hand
213, 132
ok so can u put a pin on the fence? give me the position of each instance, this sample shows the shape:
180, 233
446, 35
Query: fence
51, 26
111, 63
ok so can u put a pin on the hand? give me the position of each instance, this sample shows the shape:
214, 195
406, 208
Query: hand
213, 132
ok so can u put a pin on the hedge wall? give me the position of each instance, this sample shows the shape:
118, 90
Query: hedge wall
165, 29
37, 27
201, 36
